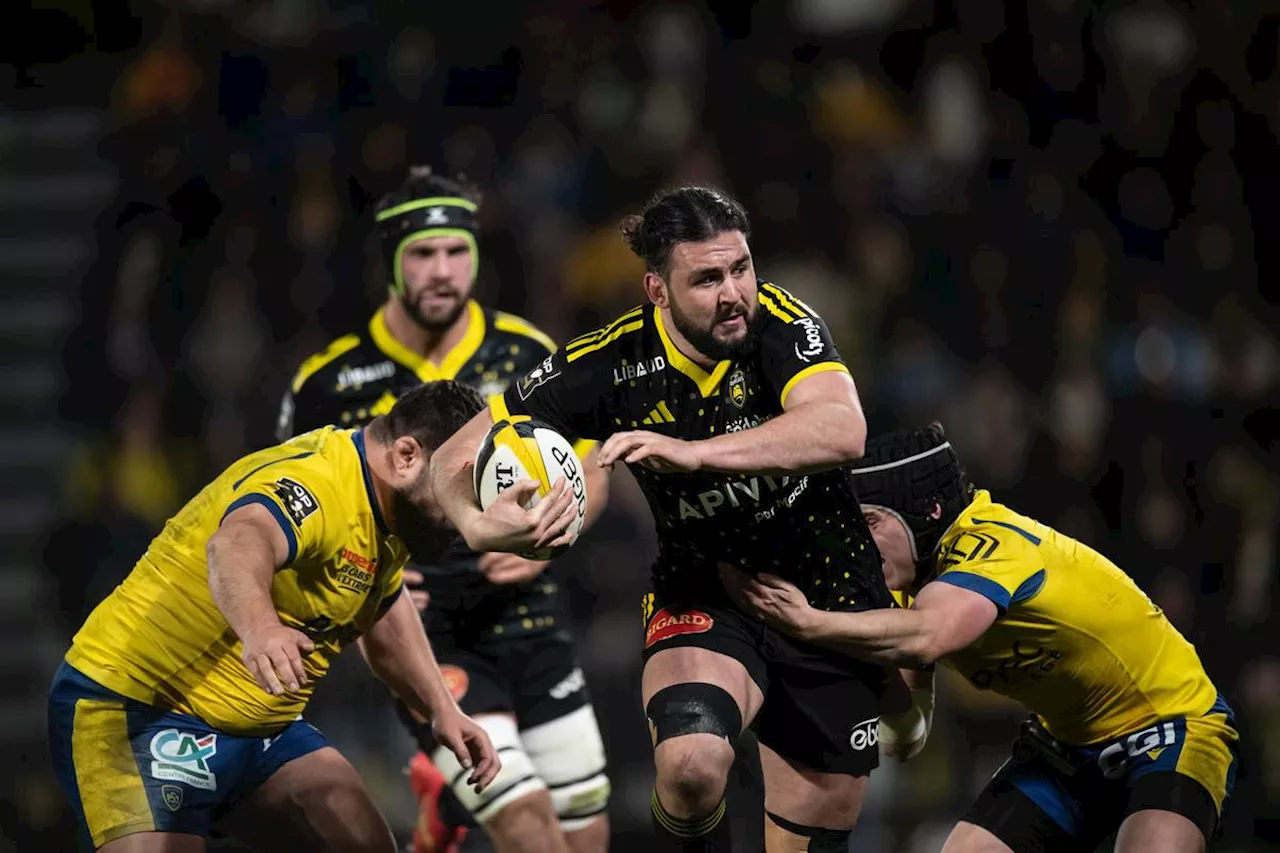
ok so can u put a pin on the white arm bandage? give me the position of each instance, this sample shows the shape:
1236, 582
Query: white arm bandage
904, 735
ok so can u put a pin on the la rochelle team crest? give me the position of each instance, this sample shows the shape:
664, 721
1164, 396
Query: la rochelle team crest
183, 757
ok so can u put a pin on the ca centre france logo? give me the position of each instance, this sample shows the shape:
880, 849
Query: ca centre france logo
184, 757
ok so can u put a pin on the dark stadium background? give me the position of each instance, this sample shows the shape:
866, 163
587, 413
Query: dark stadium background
1047, 227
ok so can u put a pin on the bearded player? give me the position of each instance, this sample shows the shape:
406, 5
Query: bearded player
1127, 732
494, 618
725, 397
179, 702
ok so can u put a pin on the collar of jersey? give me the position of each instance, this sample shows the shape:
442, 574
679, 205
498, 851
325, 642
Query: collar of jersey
708, 383
425, 369
357, 438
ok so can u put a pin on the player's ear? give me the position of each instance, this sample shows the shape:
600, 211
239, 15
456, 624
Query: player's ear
407, 455
655, 288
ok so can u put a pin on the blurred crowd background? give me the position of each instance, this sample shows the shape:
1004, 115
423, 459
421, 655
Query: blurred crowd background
1043, 223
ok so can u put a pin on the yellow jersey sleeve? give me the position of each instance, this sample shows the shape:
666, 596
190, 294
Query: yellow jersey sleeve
296, 494
997, 559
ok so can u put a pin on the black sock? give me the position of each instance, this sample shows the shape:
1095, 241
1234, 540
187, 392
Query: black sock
708, 834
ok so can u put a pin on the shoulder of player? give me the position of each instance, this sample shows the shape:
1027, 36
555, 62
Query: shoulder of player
988, 531
354, 349
515, 328
782, 305
624, 337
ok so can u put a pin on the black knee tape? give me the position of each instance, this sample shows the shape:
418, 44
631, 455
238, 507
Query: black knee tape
693, 708
820, 840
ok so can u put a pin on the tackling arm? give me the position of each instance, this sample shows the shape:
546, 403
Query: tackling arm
822, 426
398, 652
943, 619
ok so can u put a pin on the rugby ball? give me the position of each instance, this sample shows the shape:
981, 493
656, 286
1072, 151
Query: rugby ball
525, 449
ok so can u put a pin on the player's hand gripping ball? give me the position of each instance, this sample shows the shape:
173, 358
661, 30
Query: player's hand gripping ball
525, 449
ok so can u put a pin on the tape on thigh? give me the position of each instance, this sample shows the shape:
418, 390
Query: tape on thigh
568, 754
517, 777
693, 708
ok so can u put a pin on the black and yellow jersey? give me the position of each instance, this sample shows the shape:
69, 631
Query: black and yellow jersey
158, 638
1075, 640
360, 375
630, 375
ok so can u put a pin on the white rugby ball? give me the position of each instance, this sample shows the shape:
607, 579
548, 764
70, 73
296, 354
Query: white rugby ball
525, 449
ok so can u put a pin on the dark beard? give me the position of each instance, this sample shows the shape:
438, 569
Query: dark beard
428, 543
415, 313
705, 342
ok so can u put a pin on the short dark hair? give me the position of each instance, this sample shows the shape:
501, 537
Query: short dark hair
683, 215
429, 414
422, 182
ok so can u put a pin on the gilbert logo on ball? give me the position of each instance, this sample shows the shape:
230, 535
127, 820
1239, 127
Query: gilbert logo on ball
520, 448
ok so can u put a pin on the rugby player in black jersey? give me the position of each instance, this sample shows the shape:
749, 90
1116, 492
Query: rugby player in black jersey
727, 400
493, 618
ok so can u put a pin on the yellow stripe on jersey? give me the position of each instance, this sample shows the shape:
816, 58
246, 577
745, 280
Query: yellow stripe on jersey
603, 342
342, 345
504, 322
821, 367
426, 370
594, 337
708, 383
111, 790
773, 308
786, 300
498, 408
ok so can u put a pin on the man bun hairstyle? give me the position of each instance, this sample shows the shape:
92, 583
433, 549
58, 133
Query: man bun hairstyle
683, 215
916, 475
429, 414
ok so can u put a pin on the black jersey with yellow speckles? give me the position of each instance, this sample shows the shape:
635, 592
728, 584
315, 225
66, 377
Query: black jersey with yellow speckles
629, 375
360, 375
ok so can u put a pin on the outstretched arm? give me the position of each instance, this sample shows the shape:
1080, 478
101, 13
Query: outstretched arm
821, 426
398, 652
943, 619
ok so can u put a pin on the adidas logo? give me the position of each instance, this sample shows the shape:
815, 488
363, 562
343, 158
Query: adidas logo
660, 414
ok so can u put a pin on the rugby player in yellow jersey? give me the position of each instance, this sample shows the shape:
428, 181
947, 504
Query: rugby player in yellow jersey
1127, 731
180, 699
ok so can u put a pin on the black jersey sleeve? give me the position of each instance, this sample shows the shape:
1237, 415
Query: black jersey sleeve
794, 341
571, 396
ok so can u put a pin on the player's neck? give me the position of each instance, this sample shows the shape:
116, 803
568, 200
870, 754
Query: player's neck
430, 344
375, 456
681, 343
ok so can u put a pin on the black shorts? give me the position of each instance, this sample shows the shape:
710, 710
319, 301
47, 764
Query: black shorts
1064, 799
537, 679
821, 709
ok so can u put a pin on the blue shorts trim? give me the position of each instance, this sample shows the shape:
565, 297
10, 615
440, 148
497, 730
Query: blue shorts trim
154, 770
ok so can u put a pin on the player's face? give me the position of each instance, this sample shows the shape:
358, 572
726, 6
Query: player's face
419, 521
711, 289
894, 541
438, 274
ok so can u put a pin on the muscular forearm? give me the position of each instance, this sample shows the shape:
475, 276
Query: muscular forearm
802, 440
398, 653
903, 638
240, 570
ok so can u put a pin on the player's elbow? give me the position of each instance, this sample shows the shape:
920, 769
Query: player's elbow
849, 432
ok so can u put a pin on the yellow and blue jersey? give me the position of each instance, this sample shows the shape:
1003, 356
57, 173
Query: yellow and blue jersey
160, 640
1075, 640
1091, 656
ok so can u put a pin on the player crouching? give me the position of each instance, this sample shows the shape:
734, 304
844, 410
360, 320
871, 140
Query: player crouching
1127, 731
181, 697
